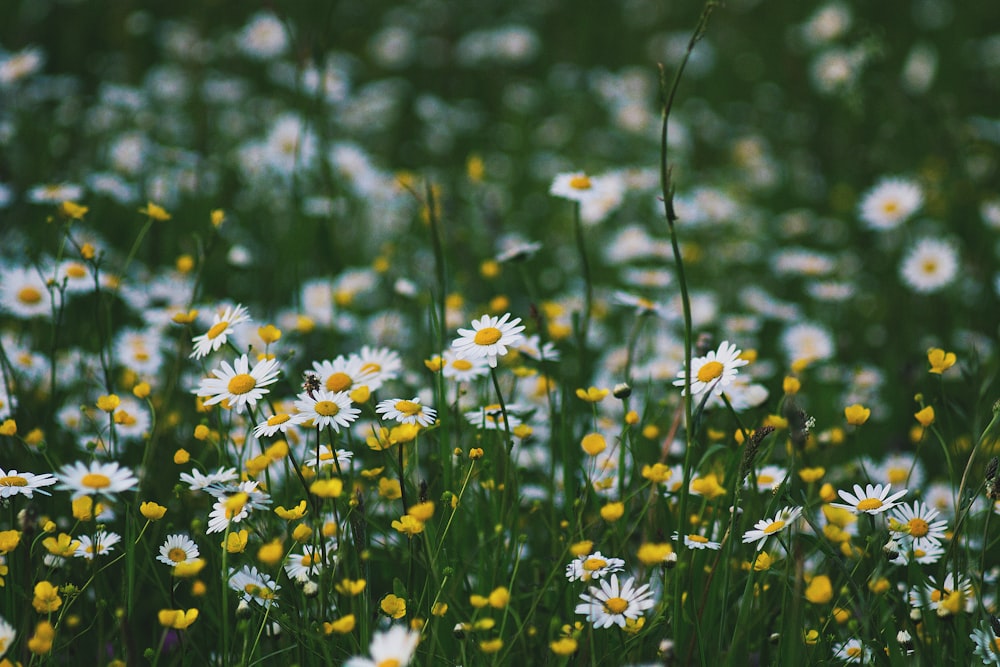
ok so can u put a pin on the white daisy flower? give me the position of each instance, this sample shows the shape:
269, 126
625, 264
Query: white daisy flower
987, 644
178, 549
325, 408
890, 203
768, 478
593, 566
941, 599
873, 499
917, 520
239, 385
226, 511
14, 483
575, 186
532, 347
55, 193
381, 363
344, 374
489, 337
696, 541
611, 603
95, 478
927, 552
7, 635
101, 544
199, 482
765, 528
852, 652
218, 333
326, 456
307, 564
713, 372
929, 266
264, 37
463, 370
24, 293
255, 586
406, 411
279, 422
490, 417
396, 646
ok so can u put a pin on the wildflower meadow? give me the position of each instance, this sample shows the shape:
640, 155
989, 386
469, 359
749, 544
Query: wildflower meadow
499, 332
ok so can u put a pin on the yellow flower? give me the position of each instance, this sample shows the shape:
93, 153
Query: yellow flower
190, 568
141, 391
478, 601
434, 364
269, 334
439, 609
72, 210
184, 318
9, 427
564, 646
83, 508
762, 562
64, 546
857, 414
327, 488
271, 553
593, 444
46, 598
708, 486
499, 597
940, 360
791, 385
351, 587
152, 511
218, 216
613, 511
422, 511
389, 488
182, 456
657, 473
236, 543
201, 432
592, 394
9, 539
654, 553
819, 590
178, 619
41, 642
811, 637
925, 416
302, 533
810, 475
408, 525
392, 606
108, 403
155, 212
341, 626
491, 645
293, 514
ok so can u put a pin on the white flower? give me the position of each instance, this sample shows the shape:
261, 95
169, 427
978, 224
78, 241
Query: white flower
238, 384
852, 651
279, 422
489, 337
14, 483
765, 528
264, 37
593, 566
406, 411
7, 635
807, 341
325, 408
95, 478
101, 544
695, 541
890, 203
917, 520
198, 482
929, 266
24, 293
987, 644
714, 371
254, 585
396, 647
873, 499
463, 370
218, 333
178, 549
307, 564
611, 603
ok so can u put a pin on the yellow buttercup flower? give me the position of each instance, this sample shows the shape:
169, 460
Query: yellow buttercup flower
857, 414
940, 360
155, 212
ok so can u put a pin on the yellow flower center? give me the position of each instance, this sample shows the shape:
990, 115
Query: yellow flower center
242, 383
765, 479
919, 527
853, 651
277, 419
890, 207
408, 408
461, 364
580, 182
389, 662
217, 329
898, 475
76, 271
177, 555
868, 504
95, 480
339, 382
29, 295
487, 336
308, 560
616, 605
710, 370
698, 538
592, 564
13, 480
371, 367
326, 408
774, 527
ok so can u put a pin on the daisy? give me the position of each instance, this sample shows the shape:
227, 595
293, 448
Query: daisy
925, 553
807, 341
930, 265
395, 647
406, 411
764, 529
55, 193
218, 333
917, 520
890, 203
238, 385
611, 603
873, 499
532, 347
463, 370
24, 293
769, 478
714, 371
593, 566
276, 423
7, 635
264, 37
255, 499
490, 417
218, 479
325, 408
105, 479
225, 512
381, 363
255, 586
344, 373
178, 549
987, 644
101, 544
489, 337
852, 651
695, 541
942, 599
575, 186
326, 458
307, 564
13, 483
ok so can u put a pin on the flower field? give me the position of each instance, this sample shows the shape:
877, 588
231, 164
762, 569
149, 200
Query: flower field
500, 332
